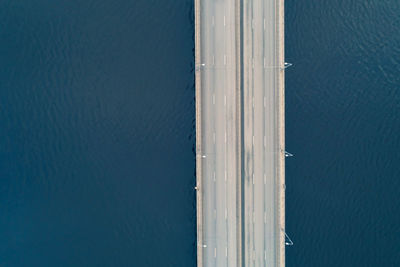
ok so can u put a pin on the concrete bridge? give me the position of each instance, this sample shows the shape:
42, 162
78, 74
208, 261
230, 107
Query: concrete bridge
240, 132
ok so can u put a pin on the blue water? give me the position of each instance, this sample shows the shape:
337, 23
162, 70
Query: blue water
97, 133
343, 125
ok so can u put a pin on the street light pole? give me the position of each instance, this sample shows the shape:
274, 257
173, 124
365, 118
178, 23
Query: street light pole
198, 67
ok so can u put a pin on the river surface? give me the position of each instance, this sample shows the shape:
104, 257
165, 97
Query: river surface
97, 133
343, 125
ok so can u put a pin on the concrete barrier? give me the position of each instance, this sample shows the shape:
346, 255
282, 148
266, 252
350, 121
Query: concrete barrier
199, 204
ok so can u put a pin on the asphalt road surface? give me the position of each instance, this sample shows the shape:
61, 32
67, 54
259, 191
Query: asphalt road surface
223, 208
261, 143
220, 157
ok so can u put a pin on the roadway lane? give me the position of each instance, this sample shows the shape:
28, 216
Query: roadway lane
219, 133
261, 143
271, 130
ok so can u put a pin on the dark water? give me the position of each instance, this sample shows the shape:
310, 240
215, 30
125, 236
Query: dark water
96, 133
343, 125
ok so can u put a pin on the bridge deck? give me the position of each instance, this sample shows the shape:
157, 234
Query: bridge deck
263, 150
221, 206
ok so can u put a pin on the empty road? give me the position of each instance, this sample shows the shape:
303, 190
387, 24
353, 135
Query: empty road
219, 134
240, 132
262, 145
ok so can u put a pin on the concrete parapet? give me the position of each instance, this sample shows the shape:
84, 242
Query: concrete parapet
281, 125
199, 203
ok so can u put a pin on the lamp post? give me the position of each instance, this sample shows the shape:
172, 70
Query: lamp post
198, 67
